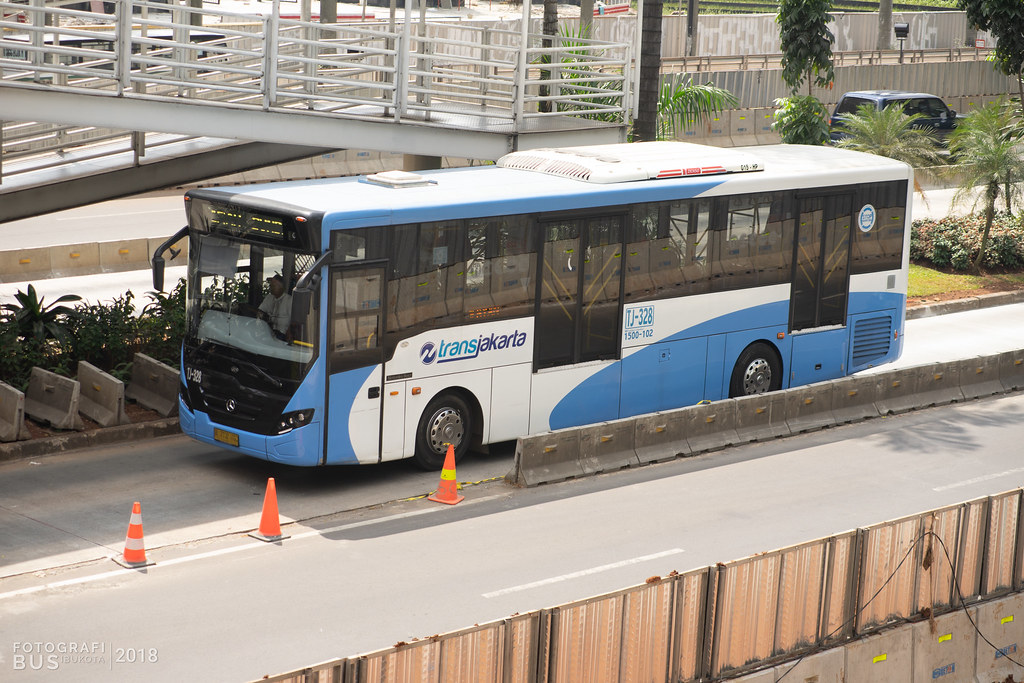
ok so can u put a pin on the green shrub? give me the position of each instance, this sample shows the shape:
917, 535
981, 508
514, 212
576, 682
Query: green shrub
106, 335
954, 241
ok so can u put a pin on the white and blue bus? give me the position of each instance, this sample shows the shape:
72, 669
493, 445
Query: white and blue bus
558, 287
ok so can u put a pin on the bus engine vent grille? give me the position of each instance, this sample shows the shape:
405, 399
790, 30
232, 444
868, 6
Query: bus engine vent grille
871, 339
560, 167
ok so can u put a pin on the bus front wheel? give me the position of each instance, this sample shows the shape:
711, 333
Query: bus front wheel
447, 420
757, 370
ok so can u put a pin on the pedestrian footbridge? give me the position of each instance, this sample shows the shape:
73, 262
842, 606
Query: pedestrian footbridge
138, 87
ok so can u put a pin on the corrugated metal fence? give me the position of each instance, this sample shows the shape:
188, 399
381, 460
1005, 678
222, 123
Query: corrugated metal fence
761, 87
732, 617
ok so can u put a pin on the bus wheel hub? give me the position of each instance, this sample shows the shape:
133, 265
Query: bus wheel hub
445, 428
758, 377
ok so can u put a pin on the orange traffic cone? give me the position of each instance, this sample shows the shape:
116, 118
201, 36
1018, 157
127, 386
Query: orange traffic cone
448, 489
134, 548
270, 522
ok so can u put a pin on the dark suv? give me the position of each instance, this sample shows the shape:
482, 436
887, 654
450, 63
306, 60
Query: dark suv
934, 112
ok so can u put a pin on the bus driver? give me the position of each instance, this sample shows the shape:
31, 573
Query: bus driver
276, 308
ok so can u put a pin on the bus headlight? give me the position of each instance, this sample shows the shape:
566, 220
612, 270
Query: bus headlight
185, 398
290, 421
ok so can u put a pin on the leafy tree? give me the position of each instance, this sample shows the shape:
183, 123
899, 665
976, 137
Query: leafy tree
687, 104
806, 56
1004, 19
806, 43
989, 155
801, 120
890, 133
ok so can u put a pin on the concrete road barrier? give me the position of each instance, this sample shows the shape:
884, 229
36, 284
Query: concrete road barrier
979, 377
53, 399
885, 657
824, 667
938, 384
124, 255
1002, 622
853, 399
24, 265
809, 407
1011, 370
74, 259
660, 436
154, 385
704, 427
711, 425
765, 116
607, 446
102, 396
944, 648
12, 414
761, 417
743, 127
895, 392
546, 457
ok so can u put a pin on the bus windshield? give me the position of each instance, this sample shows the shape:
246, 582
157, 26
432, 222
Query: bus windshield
240, 297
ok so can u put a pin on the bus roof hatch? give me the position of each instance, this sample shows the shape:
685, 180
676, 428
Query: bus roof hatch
636, 161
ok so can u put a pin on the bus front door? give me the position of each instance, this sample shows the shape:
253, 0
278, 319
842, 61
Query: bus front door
355, 365
821, 283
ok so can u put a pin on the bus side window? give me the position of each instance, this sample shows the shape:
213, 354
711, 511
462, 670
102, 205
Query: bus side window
477, 300
356, 310
880, 247
738, 243
642, 230
428, 273
513, 267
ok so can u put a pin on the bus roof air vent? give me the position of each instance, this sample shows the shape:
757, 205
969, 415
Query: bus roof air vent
638, 161
399, 179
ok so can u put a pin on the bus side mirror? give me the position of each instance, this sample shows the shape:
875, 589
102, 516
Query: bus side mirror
158, 273
158, 258
301, 301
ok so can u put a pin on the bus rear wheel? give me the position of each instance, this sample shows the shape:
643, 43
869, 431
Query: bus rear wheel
757, 370
447, 420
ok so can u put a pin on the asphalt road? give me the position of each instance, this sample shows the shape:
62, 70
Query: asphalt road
231, 608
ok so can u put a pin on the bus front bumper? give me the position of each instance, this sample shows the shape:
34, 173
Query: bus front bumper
300, 446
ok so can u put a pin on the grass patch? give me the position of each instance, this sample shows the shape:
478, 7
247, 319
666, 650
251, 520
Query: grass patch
925, 281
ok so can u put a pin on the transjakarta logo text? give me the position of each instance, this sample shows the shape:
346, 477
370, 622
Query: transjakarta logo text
446, 352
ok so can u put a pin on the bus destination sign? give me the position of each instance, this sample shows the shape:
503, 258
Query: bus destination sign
242, 223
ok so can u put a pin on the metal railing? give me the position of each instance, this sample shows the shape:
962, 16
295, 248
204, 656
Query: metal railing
161, 51
754, 62
733, 617
453, 75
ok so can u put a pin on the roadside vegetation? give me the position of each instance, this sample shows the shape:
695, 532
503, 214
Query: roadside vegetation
56, 335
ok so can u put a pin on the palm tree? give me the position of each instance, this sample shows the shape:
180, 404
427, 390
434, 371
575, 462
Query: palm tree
989, 155
688, 104
891, 133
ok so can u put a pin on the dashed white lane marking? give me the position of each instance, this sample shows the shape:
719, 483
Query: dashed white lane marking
978, 480
583, 572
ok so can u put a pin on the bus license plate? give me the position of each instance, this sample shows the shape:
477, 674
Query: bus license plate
223, 436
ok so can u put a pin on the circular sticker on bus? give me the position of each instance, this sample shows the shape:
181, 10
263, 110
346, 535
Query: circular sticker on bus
866, 218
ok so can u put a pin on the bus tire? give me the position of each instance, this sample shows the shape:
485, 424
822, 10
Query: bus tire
758, 369
447, 419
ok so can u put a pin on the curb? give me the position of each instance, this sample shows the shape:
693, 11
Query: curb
968, 304
52, 445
